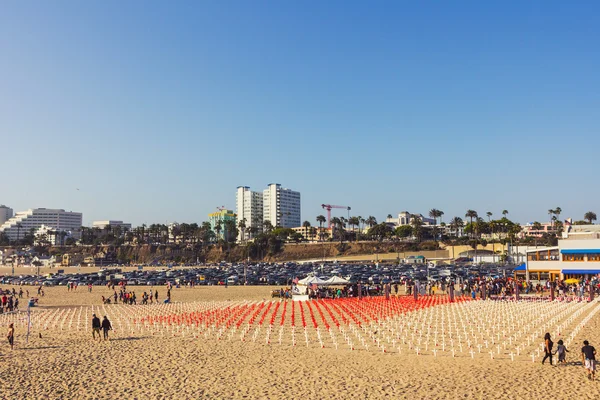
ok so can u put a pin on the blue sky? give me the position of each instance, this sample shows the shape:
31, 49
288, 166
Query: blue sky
157, 111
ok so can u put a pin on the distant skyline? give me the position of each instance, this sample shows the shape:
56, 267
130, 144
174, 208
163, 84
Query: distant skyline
156, 112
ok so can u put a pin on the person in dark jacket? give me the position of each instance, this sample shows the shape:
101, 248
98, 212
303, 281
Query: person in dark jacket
106, 326
547, 348
95, 327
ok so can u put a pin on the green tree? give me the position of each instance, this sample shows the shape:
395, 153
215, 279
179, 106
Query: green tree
242, 226
218, 228
267, 226
417, 226
321, 220
456, 224
590, 216
230, 232
371, 221
471, 214
380, 231
435, 214
403, 231
354, 222
306, 225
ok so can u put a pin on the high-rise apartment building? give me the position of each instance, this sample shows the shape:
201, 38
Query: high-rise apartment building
281, 206
249, 207
6, 213
23, 222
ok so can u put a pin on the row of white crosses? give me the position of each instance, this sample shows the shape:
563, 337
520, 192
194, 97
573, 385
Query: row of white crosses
497, 329
493, 329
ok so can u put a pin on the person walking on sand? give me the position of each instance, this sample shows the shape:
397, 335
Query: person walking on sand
562, 351
11, 335
106, 326
95, 327
548, 344
588, 359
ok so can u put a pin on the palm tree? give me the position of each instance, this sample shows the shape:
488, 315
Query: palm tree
389, 216
557, 212
354, 222
435, 214
321, 220
489, 215
590, 216
218, 228
19, 226
456, 224
473, 214
337, 224
416, 223
306, 225
242, 226
371, 221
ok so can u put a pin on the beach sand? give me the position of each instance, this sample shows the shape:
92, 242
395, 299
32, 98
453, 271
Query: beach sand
68, 364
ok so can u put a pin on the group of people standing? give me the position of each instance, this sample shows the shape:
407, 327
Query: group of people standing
588, 354
10, 301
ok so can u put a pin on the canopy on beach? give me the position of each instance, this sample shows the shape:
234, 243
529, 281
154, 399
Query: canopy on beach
312, 280
336, 280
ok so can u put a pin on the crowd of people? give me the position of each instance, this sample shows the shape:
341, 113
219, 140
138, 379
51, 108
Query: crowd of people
9, 299
129, 297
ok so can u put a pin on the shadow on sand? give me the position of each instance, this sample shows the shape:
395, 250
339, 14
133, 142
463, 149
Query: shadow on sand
42, 347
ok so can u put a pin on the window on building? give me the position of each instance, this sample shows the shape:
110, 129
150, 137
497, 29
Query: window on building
593, 257
573, 257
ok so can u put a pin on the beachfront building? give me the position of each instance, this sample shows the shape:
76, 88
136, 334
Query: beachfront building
281, 206
405, 218
218, 222
57, 219
536, 230
113, 224
46, 235
574, 257
249, 207
6, 213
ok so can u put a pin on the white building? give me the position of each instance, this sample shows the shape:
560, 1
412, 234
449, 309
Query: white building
113, 223
6, 213
22, 222
577, 255
281, 206
405, 218
249, 206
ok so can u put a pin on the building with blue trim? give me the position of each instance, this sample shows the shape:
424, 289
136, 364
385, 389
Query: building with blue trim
572, 258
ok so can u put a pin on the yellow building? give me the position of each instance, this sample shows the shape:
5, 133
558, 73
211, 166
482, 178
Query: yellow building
313, 233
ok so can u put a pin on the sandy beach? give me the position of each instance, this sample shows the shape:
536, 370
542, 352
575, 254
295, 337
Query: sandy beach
67, 363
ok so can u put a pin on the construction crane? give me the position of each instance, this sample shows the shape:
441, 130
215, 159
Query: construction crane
328, 207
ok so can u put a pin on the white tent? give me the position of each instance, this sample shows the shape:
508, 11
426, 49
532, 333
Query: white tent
336, 280
310, 280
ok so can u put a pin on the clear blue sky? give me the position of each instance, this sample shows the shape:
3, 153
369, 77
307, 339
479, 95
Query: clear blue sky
157, 111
